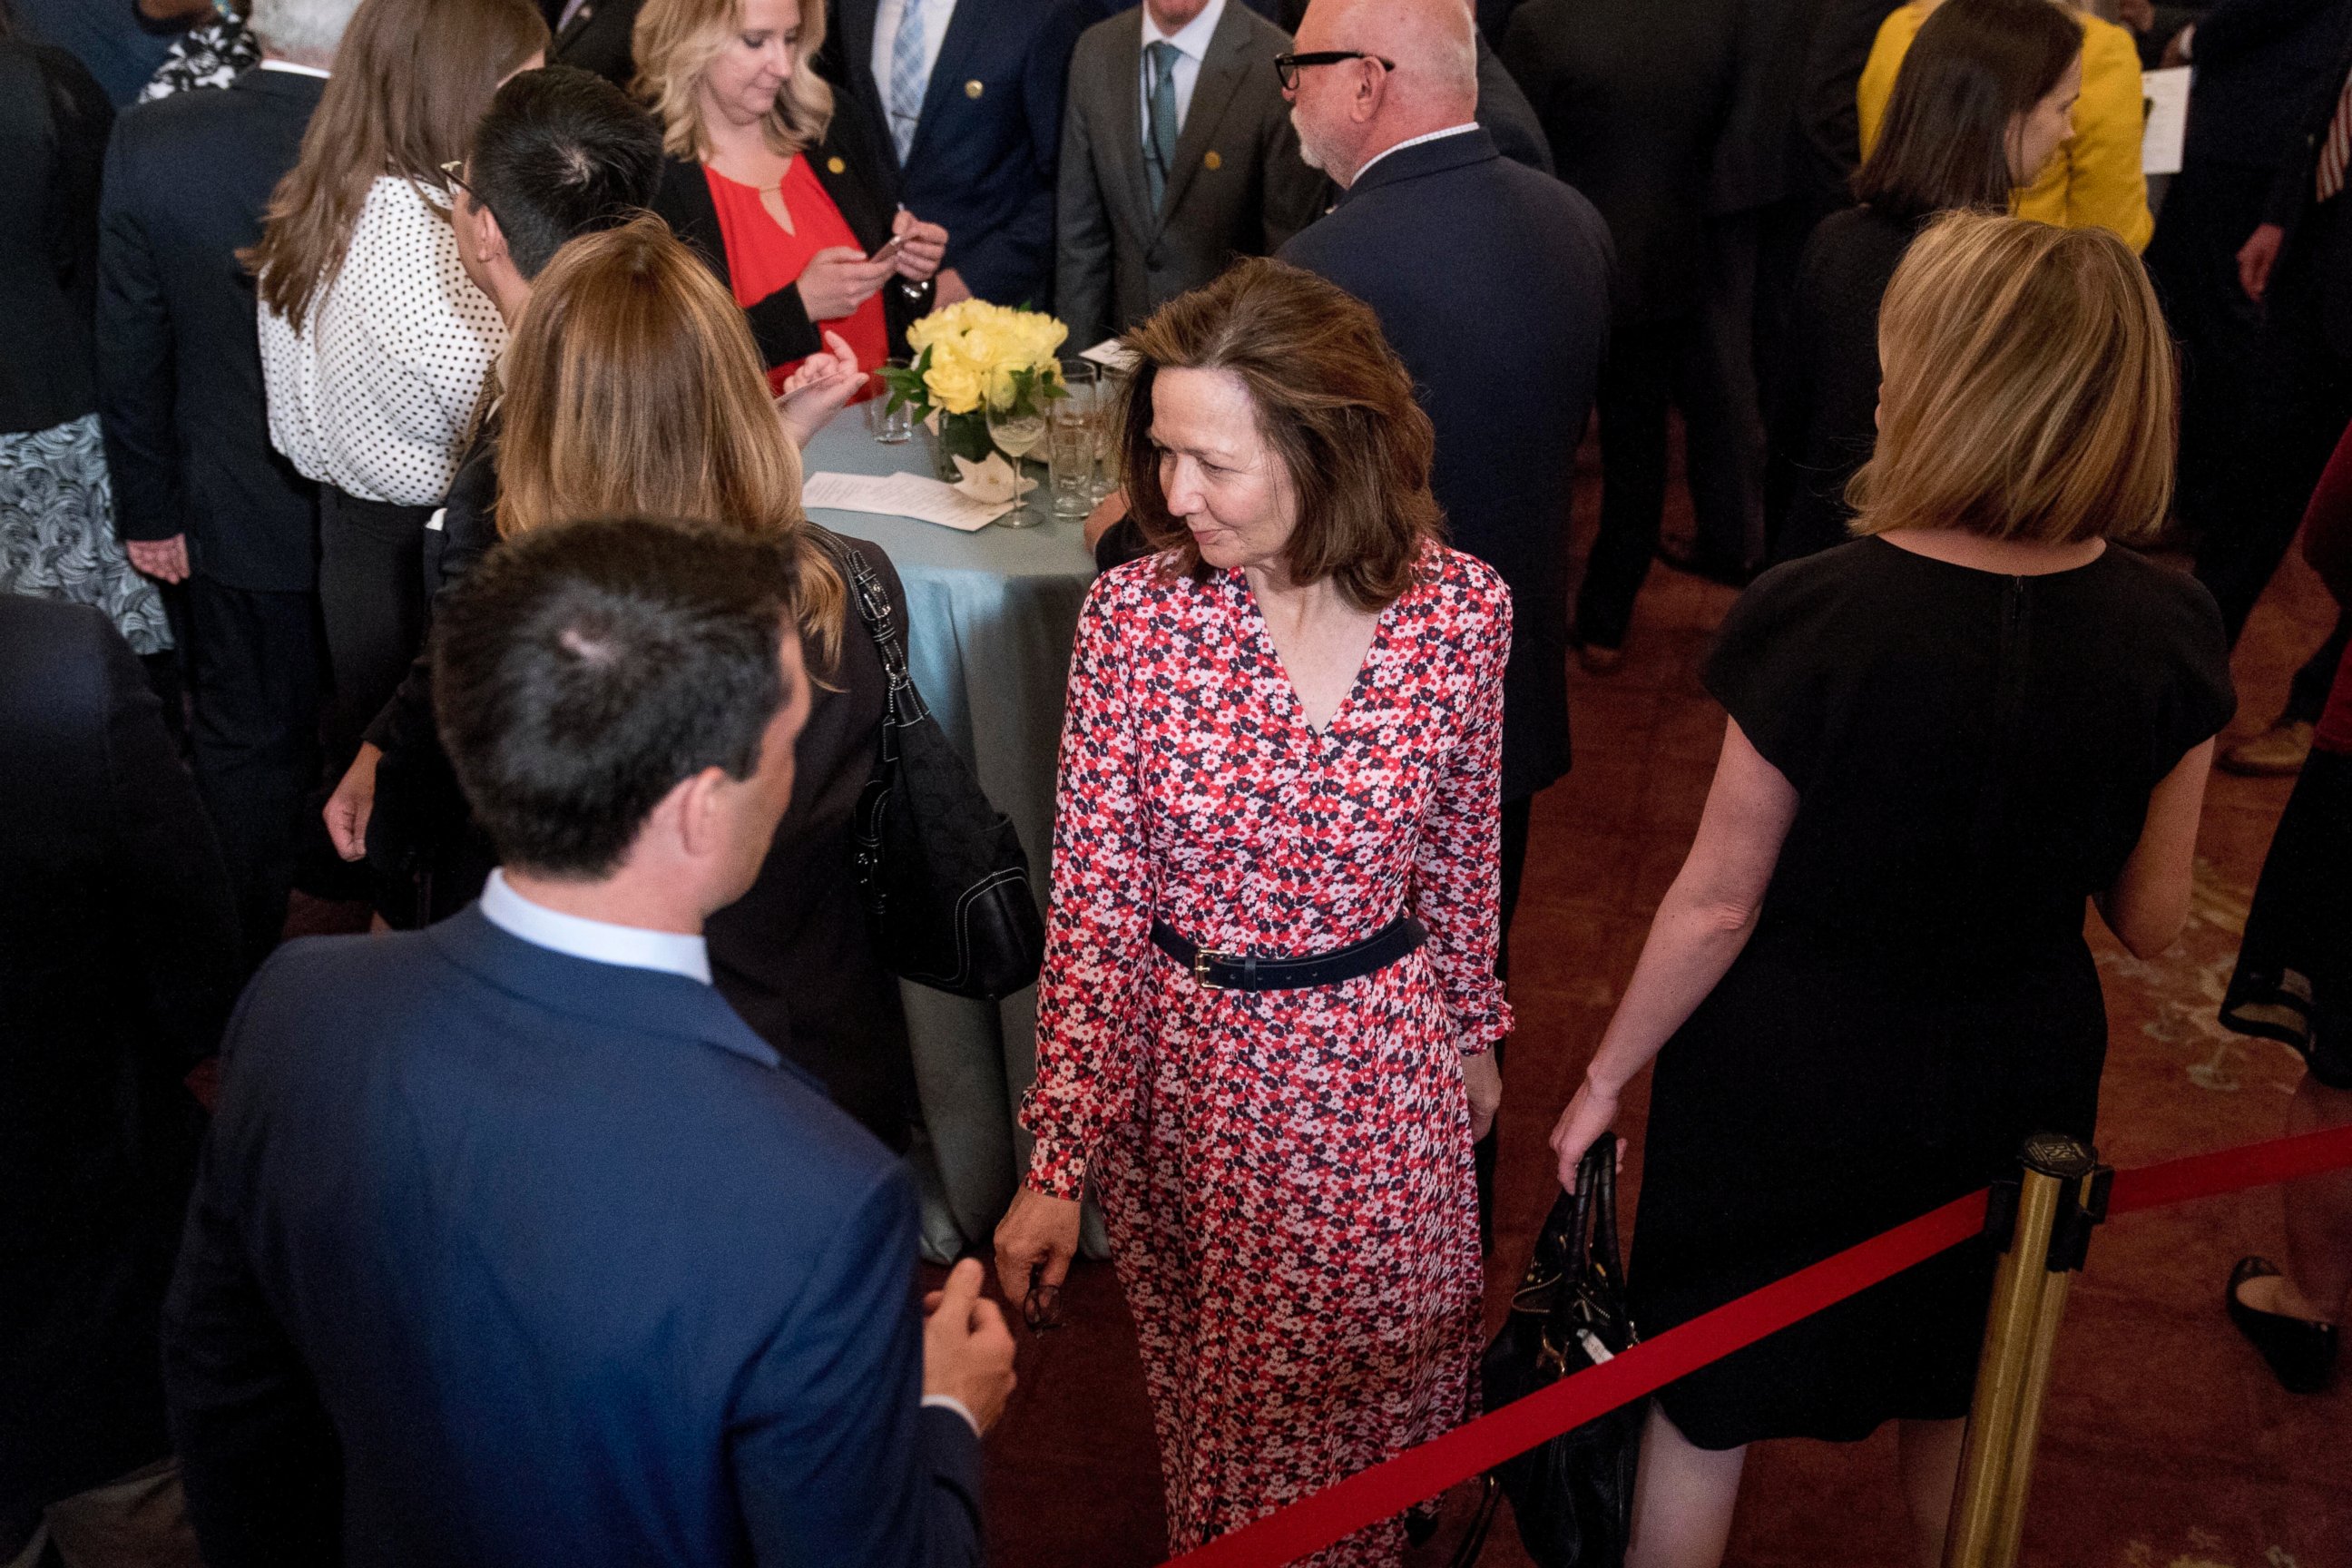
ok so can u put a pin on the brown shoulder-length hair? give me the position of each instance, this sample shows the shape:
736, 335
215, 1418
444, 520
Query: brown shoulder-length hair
2029, 387
1334, 403
674, 41
1974, 68
633, 387
412, 79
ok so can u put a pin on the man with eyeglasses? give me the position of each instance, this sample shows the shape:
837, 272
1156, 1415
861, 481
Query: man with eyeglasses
1492, 283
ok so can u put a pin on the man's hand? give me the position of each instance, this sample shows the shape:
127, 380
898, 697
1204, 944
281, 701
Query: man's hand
926, 247
165, 559
953, 289
353, 802
819, 389
967, 1349
2257, 256
1104, 517
839, 279
1483, 1080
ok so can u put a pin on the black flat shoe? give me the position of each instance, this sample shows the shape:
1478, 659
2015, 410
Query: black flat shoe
2301, 1353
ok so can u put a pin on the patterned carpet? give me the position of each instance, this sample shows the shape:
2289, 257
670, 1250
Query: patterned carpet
2165, 1444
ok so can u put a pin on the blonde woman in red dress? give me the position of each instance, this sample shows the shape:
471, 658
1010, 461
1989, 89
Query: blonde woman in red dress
1266, 1021
782, 199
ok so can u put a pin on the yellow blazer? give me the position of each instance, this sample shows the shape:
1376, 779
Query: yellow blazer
2095, 177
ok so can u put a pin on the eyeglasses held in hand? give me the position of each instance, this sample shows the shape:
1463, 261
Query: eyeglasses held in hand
1042, 1308
1288, 67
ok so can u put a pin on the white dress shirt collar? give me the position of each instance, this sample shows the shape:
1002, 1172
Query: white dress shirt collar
1415, 141
293, 68
599, 942
1194, 37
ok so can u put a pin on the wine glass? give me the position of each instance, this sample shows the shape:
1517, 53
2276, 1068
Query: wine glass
1016, 422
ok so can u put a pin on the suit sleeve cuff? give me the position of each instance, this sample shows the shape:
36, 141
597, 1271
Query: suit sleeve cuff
950, 1402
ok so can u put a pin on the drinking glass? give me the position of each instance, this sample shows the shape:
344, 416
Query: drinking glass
889, 426
1016, 422
1111, 396
1071, 434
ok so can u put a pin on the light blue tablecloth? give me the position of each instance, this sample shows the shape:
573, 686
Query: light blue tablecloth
992, 616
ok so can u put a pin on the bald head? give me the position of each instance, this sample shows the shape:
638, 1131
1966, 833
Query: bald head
1352, 111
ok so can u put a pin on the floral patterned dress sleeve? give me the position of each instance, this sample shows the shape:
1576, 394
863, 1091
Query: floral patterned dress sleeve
1457, 867
1098, 929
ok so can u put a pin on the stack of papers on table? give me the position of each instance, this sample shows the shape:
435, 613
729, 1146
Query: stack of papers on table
902, 495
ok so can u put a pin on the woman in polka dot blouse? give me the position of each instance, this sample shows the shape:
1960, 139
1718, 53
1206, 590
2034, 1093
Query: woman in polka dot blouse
375, 344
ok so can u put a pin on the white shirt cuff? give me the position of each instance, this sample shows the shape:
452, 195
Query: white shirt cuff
950, 1402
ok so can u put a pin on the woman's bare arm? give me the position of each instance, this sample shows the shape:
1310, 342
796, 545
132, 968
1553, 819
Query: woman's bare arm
2149, 902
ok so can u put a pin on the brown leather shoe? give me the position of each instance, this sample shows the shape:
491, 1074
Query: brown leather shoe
2276, 752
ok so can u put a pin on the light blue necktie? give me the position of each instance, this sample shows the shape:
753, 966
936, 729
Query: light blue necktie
908, 78
1159, 145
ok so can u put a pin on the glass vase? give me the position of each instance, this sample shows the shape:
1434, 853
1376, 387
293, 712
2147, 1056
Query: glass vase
961, 436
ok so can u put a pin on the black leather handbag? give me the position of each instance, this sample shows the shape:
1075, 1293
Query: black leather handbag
940, 871
1573, 1496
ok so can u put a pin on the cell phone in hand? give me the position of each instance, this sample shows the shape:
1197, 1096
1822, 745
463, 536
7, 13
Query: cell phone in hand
888, 249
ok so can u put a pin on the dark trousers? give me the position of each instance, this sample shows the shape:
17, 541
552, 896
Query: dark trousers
371, 598
1513, 857
1653, 367
255, 675
2207, 214
2298, 400
1724, 447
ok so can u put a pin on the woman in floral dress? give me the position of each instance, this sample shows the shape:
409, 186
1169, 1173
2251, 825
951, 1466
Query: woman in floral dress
1282, 746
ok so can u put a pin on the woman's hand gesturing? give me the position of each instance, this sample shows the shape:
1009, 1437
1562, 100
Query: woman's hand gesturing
1590, 1114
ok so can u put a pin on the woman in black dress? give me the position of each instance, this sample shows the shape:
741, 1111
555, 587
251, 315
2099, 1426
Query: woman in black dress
633, 387
1980, 105
1870, 979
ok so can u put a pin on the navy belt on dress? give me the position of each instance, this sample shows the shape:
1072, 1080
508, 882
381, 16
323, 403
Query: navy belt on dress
1247, 971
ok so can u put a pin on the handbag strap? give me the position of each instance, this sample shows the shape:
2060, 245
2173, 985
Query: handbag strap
902, 704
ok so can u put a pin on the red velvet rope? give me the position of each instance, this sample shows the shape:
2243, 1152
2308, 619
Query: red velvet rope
1388, 1489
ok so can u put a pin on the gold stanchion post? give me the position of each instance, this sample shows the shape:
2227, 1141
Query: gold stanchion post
2045, 1222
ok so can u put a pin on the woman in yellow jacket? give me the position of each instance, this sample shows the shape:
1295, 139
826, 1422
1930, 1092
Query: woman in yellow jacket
2096, 178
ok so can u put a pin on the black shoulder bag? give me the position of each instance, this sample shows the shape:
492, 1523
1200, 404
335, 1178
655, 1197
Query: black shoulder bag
1573, 1496
941, 872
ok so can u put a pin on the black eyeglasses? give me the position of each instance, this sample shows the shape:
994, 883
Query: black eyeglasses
1288, 67
453, 172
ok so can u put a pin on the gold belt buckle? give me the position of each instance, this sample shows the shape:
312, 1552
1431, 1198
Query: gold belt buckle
1201, 958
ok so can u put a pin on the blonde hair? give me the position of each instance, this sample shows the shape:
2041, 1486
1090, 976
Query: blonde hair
675, 42
633, 388
2028, 390
412, 79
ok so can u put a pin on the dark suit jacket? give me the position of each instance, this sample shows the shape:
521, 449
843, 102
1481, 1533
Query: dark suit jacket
597, 38
1759, 159
1633, 96
1238, 187
780, 323
1508, 117
2262, 66
1491, 281
1843, 34
502, 1256
181, 398
53, 125
984, 153
2311, 284
118, 963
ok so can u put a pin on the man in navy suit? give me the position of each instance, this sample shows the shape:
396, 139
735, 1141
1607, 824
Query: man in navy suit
200, 495
1492, 283
961, 102
513, 1245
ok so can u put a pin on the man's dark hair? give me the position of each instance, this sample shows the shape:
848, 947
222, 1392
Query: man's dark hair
1975, 66
563, 152
581, 670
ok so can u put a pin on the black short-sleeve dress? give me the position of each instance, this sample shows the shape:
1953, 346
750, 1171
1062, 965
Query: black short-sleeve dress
1973, 754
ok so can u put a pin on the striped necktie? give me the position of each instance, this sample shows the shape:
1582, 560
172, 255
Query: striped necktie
1159, 145
2335, 148
908, 78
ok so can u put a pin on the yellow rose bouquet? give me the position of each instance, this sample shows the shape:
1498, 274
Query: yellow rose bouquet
972, 355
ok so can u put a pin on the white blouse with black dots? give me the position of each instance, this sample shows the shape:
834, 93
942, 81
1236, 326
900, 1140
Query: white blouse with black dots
376, 395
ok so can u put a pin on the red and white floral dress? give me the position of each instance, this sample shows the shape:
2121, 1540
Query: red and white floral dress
1286, 1175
